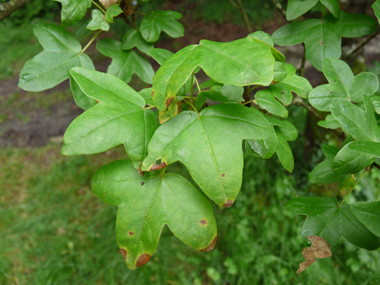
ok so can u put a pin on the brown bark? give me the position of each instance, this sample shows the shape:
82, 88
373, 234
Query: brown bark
7, 8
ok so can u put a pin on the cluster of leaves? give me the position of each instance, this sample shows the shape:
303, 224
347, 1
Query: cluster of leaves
167, 123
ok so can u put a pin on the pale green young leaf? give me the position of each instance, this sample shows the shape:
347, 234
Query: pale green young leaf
329, 220
322, 38
161, 21
118, 118
146, 204
368, 214
50, 67
125, 63
209, 145
112, 12
225, 94
73, 11
133, 39
98, 21
347, 185
375, 99
266, 100
376, 9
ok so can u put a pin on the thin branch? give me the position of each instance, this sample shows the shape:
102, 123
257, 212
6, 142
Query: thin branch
376, 165
279, 8
240, 6
360, 46
301, 70
90, 42
100, 8
7, 8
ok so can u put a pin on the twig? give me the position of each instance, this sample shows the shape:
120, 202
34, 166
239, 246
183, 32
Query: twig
7, 8
90, 42
240, 6
376, 165
365, 172
301, 70
100, 8
360, 46
279, 8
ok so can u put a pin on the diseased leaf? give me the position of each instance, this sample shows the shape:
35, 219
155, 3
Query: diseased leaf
319, 248
209, 145
118, 118
73, 11
50, 67
322, 38
368, 214
112, 12
108, 3
98, 21
133, 39
161, 21
343, 85
266, 100
125, 63
329, 220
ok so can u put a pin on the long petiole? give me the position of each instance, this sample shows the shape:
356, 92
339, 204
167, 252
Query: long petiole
90, 42
100, 8
253, 88
196, 81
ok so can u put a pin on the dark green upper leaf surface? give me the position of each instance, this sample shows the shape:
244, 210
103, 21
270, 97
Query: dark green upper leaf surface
375, 99
51, 66
297, 8
371, 148
266, 100
125, 63
147, 203
98, 21
266, 38
333, 6
376, 9
209, 145
368, 214
118, 118
249, 62
226, 94
322, 38
329, 220
323, 174
343, 85
133, 39
161, 21
330, 151
73, 11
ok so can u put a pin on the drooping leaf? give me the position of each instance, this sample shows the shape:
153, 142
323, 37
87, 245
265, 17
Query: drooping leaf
118, 118
112, 12
376, 9
343, 85
266, 100
125, 63
98, 21
329, 220
209, 145
73, 11
161, 21
264, 148
297, 8
146, 204
250, 62
284, 153
108, 3
322, 38
368, 214
50, 67
133, 39
329, 123
292, 83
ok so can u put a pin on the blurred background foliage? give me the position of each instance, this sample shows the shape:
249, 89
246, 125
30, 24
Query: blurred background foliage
55, 231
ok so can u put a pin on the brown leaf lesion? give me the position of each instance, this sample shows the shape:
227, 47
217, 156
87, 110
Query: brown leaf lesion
319, 248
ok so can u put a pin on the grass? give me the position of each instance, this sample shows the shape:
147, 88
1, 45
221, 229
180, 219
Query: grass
55, 231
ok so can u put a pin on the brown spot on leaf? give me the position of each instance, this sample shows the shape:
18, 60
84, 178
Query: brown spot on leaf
142, 183
97, 101
143, 259
319, 248
228, 204
131, 233
169, 101
223, 174
140, 171
211, 245
321, 42
152, 93
273, 82
158, 166
124, 253
203, 222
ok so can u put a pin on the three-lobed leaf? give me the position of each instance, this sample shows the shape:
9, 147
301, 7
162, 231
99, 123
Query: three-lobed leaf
297, 8
98, 21
73, 11
146, 204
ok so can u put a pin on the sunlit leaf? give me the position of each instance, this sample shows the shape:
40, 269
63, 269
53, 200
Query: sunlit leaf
133, 39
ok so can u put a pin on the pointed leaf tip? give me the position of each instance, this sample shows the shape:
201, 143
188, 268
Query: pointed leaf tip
211, 245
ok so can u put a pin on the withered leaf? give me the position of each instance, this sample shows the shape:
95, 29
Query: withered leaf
108, 3
319, 248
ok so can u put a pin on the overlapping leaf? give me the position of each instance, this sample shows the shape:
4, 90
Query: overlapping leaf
343, 85
147, 204
368, 214
112, 12
329, 220
118, 118
329, 122
297, 8
266, 100
209, 145
73, 11
125, 63
50, 67
161, 21
226, 94
98, 21
322, 38
133, 39
376, 9
249, 61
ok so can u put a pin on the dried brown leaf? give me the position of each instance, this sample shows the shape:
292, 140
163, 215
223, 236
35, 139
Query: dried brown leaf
319, 248
108, 3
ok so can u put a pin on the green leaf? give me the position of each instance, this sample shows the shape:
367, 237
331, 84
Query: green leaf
264, 148
284, 153
225, 94
368, 214
118, 118
160, 55
351, 161
51, 66
288, 130
112, 12
73, 11
375, 99
376, 9
146, 204
125, 63
147, 95
98, 21
266, 100
209, 145
371, 148
330, 151
133, 39
292, 83
322, 38
358, 123
347, 185
265, 38
343, 85
161, 21
297, 8
329, 220
323, 174
329, 123
249, 62
333, 6
279, 72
